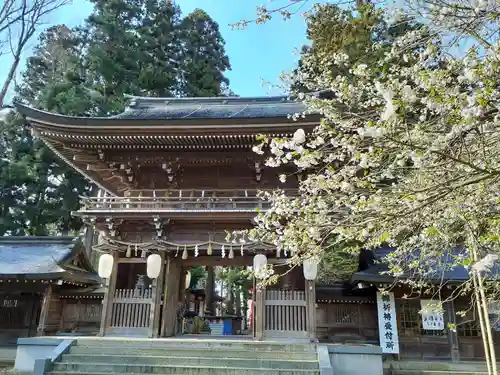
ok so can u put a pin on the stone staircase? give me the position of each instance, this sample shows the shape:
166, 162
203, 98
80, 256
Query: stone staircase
435, 368
109, 356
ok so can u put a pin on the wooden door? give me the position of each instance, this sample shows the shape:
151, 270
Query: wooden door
285, 314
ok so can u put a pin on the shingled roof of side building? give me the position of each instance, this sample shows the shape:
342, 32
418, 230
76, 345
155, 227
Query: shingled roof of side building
442, 269
46, 258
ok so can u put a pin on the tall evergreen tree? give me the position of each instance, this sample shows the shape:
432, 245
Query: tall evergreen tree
52, 82
138, 47
204, 58
113, 53
333, 30
162, 43
15, 174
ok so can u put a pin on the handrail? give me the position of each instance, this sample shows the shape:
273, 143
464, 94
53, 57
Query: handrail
186, 194
166, 199
204, 193
44, 365
179, 202
195, 189
174, 204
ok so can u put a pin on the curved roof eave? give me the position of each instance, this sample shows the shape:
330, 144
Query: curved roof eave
43, 258
177, 116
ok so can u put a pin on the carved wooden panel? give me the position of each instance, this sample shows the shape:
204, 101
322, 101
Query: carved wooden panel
81, 315
346, 322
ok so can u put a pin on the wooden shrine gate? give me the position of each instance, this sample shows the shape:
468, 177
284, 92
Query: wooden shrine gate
130, 315
285, 314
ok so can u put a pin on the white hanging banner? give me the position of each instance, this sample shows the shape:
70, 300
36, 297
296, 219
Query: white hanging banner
432, 315
387, 323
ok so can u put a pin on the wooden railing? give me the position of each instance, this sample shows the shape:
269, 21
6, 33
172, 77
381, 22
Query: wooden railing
131, 308
180, 200
285, 313
193, 193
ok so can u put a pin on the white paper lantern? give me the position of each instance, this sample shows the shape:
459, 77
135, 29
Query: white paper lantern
310, 267
153, 266
188, 280
259, 262
105, 266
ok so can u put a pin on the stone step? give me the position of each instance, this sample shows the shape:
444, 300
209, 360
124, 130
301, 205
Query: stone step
94, 369
199, 344
190, 352
109, 362
436, 372
439, 366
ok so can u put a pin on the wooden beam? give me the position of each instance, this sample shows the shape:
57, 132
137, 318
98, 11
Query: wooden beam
85, 158
44, 314
154, 320
132, 260
109, 293
159, 156
171, 293
101, 167
216, 260
311, 309
213, 260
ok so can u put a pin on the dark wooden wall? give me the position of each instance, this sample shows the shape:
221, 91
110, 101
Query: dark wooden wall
80, 315
214, 170
18, 317
346, 322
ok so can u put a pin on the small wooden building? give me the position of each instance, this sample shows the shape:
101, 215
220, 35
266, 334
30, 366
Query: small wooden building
38, 278
416, 338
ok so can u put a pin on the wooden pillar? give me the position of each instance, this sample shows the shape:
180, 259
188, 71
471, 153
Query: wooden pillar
61, 320
44, 314
109, 293
209, 290
171, 296
311, 309
201, 308
452, 333
88, 240
154, 318
181, 302
260, 311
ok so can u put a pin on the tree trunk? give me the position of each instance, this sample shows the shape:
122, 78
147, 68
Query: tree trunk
9, 78
230, 300
209, 291
237, 299
245, 311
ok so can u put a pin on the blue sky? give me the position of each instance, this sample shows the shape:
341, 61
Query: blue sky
260, 52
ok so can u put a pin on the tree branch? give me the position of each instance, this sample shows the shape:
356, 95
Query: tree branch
20, 19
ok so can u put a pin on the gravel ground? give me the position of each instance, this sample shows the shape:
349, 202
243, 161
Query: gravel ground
8, 371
